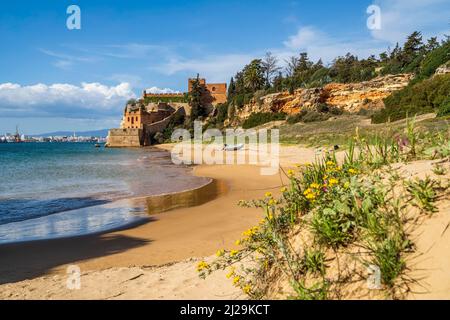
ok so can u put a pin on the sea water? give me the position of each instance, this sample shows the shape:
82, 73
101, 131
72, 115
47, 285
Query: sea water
51, 190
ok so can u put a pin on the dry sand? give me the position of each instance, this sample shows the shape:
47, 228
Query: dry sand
38, 269
157, 260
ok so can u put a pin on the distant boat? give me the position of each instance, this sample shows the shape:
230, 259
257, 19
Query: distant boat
97, 145
233, 147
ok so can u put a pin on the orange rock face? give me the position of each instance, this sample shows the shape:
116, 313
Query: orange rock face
351, 97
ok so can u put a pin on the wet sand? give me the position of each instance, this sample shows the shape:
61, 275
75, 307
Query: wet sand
157, 260
166, 238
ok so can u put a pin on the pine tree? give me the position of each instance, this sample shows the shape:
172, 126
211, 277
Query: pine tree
278, 82
303, 63
231, 88
432, 44
195, 99
412, 48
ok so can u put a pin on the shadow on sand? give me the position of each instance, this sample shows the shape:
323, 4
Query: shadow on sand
27, 260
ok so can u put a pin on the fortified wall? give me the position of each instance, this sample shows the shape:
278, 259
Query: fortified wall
217, 91
121, 138
132, 137
152, 113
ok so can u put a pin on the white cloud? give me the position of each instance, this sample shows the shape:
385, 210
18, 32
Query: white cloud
133, 79
214, 67
60, 99
63, 64
303, 38
132, 50
160, 90
66, 61
320, 45
399, 18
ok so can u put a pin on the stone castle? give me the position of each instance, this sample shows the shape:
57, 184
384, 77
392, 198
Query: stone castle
152, 113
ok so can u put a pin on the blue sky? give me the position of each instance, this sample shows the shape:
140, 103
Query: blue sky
53, 78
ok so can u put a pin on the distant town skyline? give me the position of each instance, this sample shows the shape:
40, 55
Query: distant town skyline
56, 79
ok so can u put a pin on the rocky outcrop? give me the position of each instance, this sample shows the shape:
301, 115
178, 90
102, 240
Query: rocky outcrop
351, 97
354, 96
444, 69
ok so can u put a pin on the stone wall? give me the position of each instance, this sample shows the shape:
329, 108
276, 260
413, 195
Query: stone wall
120, 138
134, 138
218, 92
161, 125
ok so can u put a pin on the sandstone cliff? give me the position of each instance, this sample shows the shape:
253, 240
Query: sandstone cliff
351, 97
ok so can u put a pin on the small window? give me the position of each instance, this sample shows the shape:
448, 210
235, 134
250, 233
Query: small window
213, 89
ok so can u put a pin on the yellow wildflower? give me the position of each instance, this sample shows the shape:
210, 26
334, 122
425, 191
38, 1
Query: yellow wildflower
352, 171
237, 242
247, 289
202, 265
231, 272
220, 253
250, 232
270, 216
233, 253
268, 194
311, 196
330, 163
307, 191
315, 185
333, 182
284, 189
272, 202
236, 280
290, 173
346, 185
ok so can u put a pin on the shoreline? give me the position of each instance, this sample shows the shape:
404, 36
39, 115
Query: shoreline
170, 237
157, 260
134, 209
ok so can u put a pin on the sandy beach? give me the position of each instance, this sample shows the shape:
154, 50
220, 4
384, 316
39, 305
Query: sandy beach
168, 237
156, 260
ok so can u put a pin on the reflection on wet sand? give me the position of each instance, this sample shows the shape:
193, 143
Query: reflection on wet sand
115, 215
184, 199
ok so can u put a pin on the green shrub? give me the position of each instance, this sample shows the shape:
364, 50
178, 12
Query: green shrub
433, 60
242, 99
332, 228
444, 109
176, 122
180, 99
427, 96
313, 116
388, 257
295, 118
260, 118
